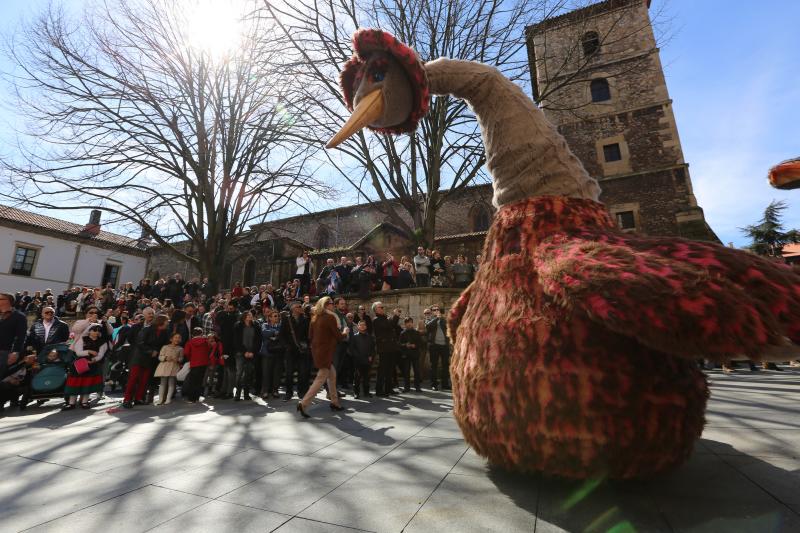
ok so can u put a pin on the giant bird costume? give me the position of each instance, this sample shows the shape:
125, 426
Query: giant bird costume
575, 348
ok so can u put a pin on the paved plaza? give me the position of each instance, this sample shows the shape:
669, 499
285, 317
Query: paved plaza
396, 464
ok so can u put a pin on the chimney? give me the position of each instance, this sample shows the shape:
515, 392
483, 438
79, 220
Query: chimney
93, 227
144, 239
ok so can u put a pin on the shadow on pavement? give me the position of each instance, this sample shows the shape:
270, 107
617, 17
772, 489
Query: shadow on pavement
718, 489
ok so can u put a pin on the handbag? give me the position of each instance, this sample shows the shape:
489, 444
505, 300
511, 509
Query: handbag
302, 346
81, 365
183, 373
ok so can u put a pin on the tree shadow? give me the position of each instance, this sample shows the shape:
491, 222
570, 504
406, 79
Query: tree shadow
718, 489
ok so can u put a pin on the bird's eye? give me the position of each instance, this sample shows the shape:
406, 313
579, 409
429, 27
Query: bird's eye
378, 75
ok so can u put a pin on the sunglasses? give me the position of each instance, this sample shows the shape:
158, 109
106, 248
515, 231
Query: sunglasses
47, 313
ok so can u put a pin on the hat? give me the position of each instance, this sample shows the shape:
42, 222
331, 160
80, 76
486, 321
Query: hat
366, 41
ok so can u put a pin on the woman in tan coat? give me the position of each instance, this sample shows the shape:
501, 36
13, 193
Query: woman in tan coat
324, 335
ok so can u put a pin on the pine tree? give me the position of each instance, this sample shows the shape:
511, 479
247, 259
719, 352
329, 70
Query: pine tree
768, 236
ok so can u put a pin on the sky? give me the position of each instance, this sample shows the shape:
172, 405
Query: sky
733, 73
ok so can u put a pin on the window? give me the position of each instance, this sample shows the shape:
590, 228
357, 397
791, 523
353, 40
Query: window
600, 90
24, 259
591, 43
611, 152
110, 275
249, 272
626, 220
481, 219
323, 239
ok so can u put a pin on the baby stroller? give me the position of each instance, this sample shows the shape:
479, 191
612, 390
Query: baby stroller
48, 380
118, 367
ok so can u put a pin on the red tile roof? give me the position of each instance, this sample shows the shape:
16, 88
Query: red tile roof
63, 227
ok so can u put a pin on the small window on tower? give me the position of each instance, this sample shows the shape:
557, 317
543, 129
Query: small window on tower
611, 152
626, 220
591, 43
600, 90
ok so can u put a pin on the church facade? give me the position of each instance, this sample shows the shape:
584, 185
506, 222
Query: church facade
597, 74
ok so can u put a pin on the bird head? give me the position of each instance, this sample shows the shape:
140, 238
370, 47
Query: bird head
785, 175
384, 85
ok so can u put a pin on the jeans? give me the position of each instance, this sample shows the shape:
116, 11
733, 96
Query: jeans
244, 374
193, 386
361, 380
386, 364
270, 368
324, 375
408, 362
301, 363
440, 354
137, 383
423, 280
228, 377
343, 363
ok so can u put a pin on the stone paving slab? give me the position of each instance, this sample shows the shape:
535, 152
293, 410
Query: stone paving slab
134, 511
397, 464
218, 517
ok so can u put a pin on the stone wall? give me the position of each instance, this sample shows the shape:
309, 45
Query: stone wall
411, 301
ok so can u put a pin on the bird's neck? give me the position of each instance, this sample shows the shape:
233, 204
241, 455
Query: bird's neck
525, 154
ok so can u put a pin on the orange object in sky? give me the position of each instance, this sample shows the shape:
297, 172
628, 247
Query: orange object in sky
785, 175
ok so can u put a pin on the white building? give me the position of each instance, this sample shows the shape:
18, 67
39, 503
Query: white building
39, 252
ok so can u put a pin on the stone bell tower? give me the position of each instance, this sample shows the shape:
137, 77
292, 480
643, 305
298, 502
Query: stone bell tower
597, 74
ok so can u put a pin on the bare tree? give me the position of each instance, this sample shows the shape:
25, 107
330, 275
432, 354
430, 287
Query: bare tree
409, 176
127, 115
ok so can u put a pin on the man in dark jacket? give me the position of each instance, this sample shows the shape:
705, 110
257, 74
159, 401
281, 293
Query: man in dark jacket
294, 333
174, 289
385, 332
411, 344
438, 349
140, 362
13, 328
362, 352
47, 330
187, 324
225, 321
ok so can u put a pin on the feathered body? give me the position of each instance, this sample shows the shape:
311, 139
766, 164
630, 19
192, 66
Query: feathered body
574, 347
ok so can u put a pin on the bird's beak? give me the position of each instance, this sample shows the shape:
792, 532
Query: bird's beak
786, 175
368, 110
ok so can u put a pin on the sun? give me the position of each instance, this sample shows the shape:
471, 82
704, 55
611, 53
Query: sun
214, 27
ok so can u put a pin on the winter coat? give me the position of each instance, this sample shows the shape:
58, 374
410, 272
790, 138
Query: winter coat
272, 344
238, 338
59, 332
198, 352
362, 348
325, 335
300, 336
171, 358
410, 336
385, 332
149, 340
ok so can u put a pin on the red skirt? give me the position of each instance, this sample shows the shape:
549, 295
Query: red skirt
83, 384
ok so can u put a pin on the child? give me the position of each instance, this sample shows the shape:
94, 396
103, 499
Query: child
410, 342
362, 351
198, 352
91, 347
171, 356
216, 360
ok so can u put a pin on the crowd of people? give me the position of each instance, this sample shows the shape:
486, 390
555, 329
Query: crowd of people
237, 344
428, 268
